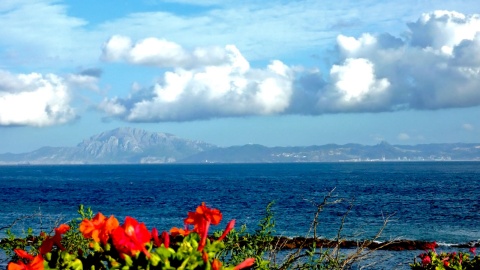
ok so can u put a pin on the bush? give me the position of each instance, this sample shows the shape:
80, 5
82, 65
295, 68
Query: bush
430, 259
102, 243
98, 242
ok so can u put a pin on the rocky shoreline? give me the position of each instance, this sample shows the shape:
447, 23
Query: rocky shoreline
285, 243
396, 245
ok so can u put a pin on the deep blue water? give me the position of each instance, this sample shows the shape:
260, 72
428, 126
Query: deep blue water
430, 201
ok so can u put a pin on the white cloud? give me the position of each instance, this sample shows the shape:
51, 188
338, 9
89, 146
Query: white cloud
112, 107
437, 66
354, 86
161, 53
375, 73
83, 81
43, 33
116, 48
228, 88
34, 100
442, 30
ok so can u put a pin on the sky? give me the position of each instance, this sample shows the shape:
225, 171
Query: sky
277, 72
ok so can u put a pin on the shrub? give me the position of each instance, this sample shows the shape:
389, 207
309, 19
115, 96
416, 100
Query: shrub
430, 259
102, 243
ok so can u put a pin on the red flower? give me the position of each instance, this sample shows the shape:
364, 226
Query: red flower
99, 228
247, 263
48, 243
131, 237
165, 239
156, 240
426, 260
473, 250
201, 220
229, 227
201, 216
36, 263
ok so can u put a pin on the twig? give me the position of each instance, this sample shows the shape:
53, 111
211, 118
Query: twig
17, 220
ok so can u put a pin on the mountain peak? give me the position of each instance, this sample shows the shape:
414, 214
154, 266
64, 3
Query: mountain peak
138, 145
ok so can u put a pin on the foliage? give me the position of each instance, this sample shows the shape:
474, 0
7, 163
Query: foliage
102, 243
261, 244
430, 259
73, 241
240, 245
12, 242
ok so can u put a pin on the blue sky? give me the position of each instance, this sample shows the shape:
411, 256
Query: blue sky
276, 72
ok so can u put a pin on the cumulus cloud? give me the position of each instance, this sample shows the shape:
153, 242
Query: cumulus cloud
34, 100
161, 53
434, 65
203, 85
354, 86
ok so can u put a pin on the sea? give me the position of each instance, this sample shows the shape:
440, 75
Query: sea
429, 201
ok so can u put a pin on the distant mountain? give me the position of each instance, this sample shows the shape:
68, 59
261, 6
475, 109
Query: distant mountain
132, 146
118, 146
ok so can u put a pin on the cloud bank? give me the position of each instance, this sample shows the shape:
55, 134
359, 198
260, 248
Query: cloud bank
434, 65
205, 83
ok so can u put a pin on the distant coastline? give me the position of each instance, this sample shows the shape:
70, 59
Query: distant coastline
137, 146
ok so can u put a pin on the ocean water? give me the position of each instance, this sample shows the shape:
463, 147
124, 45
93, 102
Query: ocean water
437, 201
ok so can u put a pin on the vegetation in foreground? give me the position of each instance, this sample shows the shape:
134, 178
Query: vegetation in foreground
98, 242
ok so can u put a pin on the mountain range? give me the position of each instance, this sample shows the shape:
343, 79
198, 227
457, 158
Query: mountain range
135, 146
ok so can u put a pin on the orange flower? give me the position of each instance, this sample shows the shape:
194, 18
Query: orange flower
99, 228
216, 264
177, 231
36, 263
23, 254
131, 237
48, 243
205, 256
